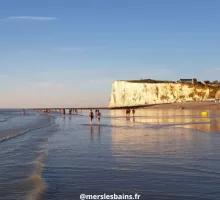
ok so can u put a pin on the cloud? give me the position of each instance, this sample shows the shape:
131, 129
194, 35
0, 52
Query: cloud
29, 18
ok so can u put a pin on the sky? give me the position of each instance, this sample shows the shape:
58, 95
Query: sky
67, 53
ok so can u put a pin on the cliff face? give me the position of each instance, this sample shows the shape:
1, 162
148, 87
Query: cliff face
125, 93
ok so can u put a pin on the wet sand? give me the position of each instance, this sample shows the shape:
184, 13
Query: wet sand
149, 155
159, 154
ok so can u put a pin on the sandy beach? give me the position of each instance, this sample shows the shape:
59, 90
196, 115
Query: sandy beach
188, 105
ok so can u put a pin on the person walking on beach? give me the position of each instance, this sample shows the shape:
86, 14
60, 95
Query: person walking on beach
24, 112
98, 116
133, 111
126, 112
91, 116
63, 111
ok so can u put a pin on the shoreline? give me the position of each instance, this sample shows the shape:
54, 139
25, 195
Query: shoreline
181, 105
176, 106
188, 105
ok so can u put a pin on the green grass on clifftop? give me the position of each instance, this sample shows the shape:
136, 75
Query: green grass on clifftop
148, 81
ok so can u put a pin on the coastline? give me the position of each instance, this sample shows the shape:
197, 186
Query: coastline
188, 105
181, 105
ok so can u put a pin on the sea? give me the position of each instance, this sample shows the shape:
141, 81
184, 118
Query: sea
153, 155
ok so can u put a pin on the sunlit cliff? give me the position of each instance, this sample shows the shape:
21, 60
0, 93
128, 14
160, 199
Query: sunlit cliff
133, 93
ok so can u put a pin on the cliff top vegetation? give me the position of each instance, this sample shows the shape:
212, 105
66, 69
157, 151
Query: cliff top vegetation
197, 84
149, 81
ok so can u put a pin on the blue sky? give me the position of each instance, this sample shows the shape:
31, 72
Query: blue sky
68, 53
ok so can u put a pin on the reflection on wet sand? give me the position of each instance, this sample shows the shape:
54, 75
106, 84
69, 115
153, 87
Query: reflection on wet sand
179, 118
145, 139
159, 131
99, 129
122, 156
95, 131
145, 147
91, 129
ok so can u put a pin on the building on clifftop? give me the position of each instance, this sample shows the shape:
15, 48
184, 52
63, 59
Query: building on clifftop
192, 80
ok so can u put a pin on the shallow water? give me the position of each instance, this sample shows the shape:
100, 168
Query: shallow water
157, 154
23, 149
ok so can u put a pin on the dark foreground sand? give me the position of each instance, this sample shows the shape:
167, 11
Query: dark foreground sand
188, 105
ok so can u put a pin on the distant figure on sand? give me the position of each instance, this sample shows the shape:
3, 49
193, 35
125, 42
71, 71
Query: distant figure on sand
98, 116
128, 111
96, 113
133, 111
24, 112
91, 116
63, 111
70, 111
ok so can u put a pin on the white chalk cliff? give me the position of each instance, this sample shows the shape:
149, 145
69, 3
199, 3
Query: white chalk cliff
128, 93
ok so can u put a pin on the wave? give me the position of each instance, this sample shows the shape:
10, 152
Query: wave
36, 180
5, 120
15, 134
